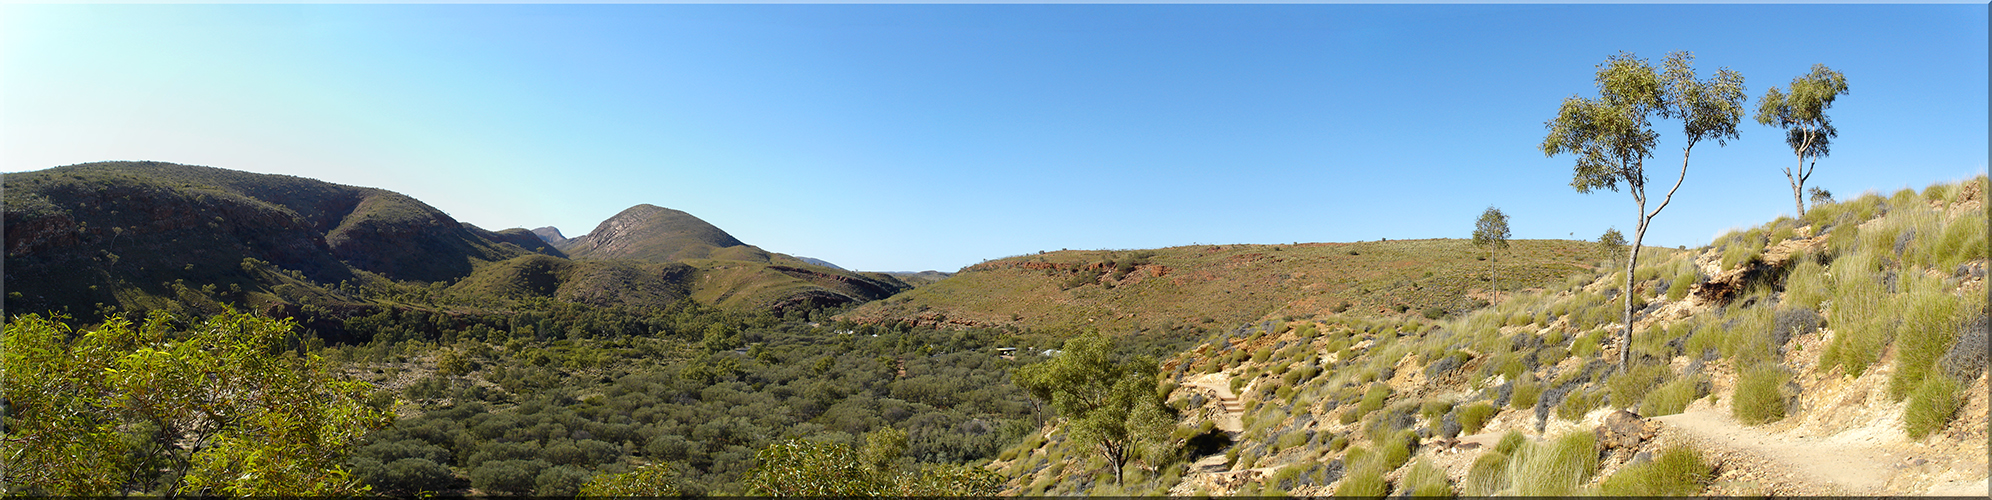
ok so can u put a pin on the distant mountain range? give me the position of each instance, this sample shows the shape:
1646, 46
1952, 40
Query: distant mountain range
110, 236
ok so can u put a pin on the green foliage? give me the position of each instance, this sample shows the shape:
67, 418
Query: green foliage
1930, 320
1110, 404
1672, 397
1363, 482
1863, 322
800, 467
1759, 396
1554, 468
1611, 244
1488, 475
1633, 385
649, 480
222, 406
1679, 472
1802, 113
1931, 407
1425, 480
1472, 417
1525, 395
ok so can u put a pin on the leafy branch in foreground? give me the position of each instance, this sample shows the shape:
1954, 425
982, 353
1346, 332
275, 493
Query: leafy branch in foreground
227, 406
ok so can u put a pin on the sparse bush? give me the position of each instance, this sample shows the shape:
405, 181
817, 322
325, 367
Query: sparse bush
1792, 323
1435, 409
1930, 407
1672, 397
1679, 472
1632, 385
1759, 396
1576, 404
1586, 346
1966, 358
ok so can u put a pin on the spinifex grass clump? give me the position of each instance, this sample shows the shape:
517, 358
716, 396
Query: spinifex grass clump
1930, 319
1554, 468
1672, 397
1863, 323
1678, 472
1760, 395
1931, 406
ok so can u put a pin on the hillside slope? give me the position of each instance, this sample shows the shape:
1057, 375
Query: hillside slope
116, 232
1119, 291
1842, 353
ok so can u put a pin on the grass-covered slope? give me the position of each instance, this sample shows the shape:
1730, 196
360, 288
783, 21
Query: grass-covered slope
1785, 359
1120, 291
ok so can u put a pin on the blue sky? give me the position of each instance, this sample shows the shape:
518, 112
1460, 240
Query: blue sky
912, 137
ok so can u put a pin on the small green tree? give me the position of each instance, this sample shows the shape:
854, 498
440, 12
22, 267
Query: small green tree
1802, 113
1612, 243
1612, 136
1109, 404
800, 467
1491, 232
227, 406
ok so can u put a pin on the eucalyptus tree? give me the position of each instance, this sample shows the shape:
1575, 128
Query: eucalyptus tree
1612, 243
1491, 232
1111, 405
1802, 113
1612, 136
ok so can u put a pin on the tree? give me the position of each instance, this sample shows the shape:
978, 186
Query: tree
228, 406
801, 467
1802, 113
1612, 136
1109, 404
1612, 243
1491, 232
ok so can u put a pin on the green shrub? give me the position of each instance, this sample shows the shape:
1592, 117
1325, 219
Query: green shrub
1363, 482
1681, 285
1740, 254
1862, 319
1474, 416
1511, 443
1525, 395
1292, 440
1424, 480
1806, 286
1678, 472
1373, 399
1963, 240
1759, 396
1555, 468
1632, 385
1930, 316
1931, 406
1489, 475
1672, 397
1578, 403
1586, 346
1434, 410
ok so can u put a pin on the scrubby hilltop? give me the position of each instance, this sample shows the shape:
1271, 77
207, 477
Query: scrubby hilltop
1841, 353
653, 233
1207, 286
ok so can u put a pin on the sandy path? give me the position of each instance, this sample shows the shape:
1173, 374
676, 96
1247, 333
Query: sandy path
1233, 409
1840, 466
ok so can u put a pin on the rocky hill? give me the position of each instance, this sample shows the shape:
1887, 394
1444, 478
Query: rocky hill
1841, 353
1211, 285
120, 233
98, 238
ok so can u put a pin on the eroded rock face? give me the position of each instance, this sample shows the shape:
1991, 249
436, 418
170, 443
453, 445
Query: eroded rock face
551, 235
1624, 429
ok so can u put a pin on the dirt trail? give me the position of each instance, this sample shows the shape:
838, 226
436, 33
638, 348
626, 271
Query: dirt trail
1234, 411
1844, 465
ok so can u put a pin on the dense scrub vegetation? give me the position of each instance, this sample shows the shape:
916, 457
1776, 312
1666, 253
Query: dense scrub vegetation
1746, 326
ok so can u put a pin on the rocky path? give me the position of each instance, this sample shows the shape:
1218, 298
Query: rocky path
1233, 409
1786, 464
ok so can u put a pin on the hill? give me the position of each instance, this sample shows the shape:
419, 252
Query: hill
658, 234
1119, 291
121, 233
1840, 353
98, 238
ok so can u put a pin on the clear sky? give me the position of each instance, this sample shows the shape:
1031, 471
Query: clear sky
913, 137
